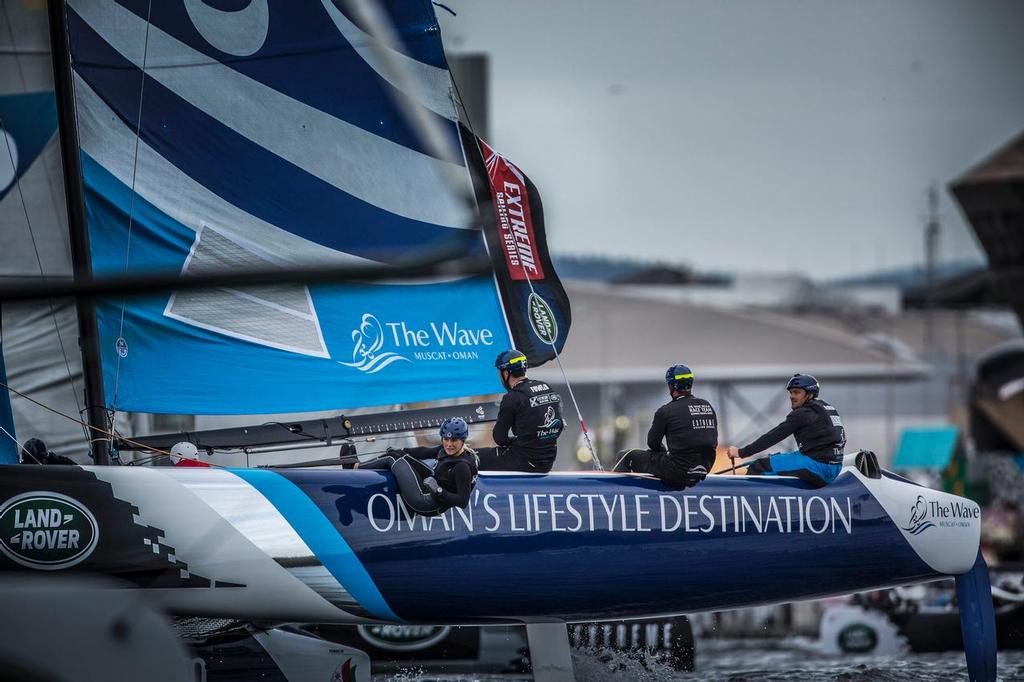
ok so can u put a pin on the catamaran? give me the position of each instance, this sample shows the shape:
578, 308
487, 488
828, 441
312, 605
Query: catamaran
206, 145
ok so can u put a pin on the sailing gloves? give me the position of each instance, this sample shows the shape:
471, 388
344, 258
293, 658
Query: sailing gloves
431, 484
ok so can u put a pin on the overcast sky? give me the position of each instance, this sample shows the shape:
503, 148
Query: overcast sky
759, 135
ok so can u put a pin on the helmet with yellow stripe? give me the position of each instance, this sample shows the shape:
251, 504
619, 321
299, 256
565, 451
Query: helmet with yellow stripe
512, 360
679, 377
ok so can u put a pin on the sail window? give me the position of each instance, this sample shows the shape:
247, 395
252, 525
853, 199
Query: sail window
279, 316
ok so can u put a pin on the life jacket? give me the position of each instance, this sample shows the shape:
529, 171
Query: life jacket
538, 421
824, 439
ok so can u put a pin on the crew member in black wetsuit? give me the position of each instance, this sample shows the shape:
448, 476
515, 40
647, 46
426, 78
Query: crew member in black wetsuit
34, 451
819, 435
455, 470
690, 427
529, 421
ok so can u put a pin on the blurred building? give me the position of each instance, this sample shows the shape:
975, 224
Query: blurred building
871, 355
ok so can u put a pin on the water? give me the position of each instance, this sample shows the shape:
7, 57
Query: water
743, 660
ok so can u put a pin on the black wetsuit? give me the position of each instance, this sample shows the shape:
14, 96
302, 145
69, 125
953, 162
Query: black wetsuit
818, 431
690, 427
50, 458
532, 411
820, 438
456, 475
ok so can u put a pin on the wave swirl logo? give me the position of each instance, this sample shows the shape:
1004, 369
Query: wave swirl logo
919, 517
368, 341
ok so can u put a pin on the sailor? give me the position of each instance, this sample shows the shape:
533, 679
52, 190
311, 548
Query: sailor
34, 451
689, 425
456, 466
186, 454
448, 484
819, 435
529, 421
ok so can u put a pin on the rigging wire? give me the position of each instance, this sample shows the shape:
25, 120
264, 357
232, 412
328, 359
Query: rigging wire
20, 448
17, 53
164, 453
104, 432
31, 231
131, 203
558, 359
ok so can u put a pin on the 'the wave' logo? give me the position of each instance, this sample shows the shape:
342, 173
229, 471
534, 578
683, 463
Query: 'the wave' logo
549, 418
552, 426
434, 341
368, 341
919, 521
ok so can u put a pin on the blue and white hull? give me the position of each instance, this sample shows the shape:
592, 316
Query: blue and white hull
315, 545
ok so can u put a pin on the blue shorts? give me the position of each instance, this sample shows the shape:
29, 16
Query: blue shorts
818, 474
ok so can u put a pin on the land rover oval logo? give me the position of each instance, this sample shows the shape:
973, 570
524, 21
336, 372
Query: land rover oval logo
403, 637
542, 319
857, 638
47, 531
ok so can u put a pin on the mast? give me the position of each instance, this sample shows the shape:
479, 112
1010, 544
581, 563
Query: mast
81, 259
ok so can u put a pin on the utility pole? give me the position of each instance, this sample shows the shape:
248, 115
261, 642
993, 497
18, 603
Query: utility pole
931, 247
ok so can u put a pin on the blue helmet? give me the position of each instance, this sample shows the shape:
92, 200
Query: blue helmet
679, 377
454, 427
806, 382
512, 360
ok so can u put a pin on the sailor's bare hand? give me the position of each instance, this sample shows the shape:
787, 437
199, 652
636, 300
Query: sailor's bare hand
733, 452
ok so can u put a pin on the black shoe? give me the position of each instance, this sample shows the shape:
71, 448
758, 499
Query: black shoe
696, 474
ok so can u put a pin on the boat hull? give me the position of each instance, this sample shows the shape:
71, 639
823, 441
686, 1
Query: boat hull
339, 546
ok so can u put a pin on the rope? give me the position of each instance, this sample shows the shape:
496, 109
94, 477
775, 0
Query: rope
24, 88
558, 358
568, 385
110, 434
20, 448
131, 203
31, 232
42, 274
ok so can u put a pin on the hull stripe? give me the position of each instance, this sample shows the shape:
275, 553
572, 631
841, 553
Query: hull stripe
316, 531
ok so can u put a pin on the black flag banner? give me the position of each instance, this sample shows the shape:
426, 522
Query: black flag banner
536, 305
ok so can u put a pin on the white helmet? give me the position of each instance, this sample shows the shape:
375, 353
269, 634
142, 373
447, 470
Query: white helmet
185, 450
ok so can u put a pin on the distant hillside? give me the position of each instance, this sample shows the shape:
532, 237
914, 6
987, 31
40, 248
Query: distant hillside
910, 277
623, 270
631, 271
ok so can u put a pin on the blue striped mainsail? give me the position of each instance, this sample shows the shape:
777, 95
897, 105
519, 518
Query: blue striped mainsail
251, 135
